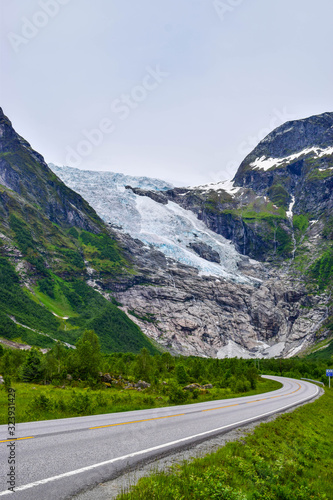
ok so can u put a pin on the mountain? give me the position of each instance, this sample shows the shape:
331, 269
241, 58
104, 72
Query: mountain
241, 267
51, 242
219, 270
283, 185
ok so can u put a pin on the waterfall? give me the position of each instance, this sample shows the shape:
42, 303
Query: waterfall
290, 214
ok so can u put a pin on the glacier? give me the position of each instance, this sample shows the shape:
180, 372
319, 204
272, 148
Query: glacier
169, 228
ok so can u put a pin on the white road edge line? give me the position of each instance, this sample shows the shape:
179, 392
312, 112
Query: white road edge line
142, 452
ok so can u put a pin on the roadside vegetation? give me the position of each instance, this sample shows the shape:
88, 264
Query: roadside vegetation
69, 382
290, 458
38, 402
84, 381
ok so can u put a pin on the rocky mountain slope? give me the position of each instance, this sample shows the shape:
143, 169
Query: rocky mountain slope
276, 308
281, 190
51, 241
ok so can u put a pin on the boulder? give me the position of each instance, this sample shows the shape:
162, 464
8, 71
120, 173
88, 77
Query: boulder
207, 386
142, 384
107, 378
192, 387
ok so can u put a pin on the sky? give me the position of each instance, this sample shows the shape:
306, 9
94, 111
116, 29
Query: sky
181, 90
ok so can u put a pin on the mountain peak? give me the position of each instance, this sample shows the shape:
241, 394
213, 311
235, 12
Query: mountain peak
288, 142
298, 153
25, 172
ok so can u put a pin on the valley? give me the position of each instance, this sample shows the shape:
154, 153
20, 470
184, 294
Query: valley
239, 268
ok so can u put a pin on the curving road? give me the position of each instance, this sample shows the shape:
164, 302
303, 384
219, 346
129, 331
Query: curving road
56, 459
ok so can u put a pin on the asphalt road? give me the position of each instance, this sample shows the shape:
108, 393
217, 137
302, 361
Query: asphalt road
55, 459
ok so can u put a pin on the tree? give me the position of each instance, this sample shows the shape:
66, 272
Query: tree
181, 375
32, 368
168, 361
55, 361
143, 365
88, 355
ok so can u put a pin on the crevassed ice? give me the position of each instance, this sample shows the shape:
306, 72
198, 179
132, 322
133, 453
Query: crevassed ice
265, 163
170, 228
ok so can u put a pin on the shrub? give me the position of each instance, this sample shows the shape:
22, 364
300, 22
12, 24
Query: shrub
42, 402
177, 395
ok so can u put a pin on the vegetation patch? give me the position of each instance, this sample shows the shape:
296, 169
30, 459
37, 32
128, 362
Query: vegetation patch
112, 377
300, 224
279, 195
16, 302
85, 307
321, 270
66, 382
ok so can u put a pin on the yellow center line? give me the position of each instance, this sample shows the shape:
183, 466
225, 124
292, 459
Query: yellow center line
220, 407
16, 439
135, 421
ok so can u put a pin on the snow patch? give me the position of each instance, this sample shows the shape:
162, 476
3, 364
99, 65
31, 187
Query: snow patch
295, 350
233, 350
227, 186
290, 209
265, 163
261, 350
60, 317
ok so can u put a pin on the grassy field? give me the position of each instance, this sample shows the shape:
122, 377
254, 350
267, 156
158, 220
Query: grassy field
40, 402
290, 458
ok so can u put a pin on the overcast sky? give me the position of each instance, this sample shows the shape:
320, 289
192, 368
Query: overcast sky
176, 89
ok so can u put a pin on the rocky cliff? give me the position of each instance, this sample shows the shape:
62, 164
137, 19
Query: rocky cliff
25, 172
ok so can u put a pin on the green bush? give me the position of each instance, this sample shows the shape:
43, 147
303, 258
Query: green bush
177, 395
42, 402
80, 403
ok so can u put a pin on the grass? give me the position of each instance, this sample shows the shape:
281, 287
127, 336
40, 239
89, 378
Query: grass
290, 458
39, 402
59, 306
84, 306
324, 350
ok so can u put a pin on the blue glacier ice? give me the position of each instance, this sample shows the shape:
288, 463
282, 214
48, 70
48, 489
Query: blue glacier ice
169, 228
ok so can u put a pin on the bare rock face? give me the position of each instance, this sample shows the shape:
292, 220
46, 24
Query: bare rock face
206, 252
206, 316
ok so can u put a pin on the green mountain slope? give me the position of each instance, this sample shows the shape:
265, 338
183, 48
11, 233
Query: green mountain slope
51, 242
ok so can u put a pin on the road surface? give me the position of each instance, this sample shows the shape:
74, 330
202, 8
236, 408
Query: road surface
55, 459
